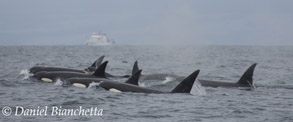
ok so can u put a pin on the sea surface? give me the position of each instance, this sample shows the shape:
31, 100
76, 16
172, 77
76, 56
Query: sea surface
270, 101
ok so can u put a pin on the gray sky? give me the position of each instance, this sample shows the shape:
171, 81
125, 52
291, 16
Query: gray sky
71, 22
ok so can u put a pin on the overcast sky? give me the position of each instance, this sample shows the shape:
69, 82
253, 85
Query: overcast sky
71, 22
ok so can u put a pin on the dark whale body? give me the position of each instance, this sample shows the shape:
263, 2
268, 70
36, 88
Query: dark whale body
246, 80
53, 76
184, 86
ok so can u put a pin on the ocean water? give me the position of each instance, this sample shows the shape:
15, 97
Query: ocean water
271, 101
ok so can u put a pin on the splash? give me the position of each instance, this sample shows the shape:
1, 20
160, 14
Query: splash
58, 82
197, 89
168, 79
142, 84
93, 85
149, 83
25, 73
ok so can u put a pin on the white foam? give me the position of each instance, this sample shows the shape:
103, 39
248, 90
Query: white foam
25, 73
197, 89
142, 84
168, 79
93, 85
58, 82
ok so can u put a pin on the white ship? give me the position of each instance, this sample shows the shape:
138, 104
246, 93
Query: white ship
99, 39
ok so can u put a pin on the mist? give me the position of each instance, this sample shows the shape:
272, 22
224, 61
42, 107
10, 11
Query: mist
132, 22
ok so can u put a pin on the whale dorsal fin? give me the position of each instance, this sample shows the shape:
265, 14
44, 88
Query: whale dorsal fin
246, 79
98, 62
185, 86
100, 71
135, 68
134, 78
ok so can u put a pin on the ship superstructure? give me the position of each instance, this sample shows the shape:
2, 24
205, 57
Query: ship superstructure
99, 39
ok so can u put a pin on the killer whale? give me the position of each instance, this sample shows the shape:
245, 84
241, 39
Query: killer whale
52, 76
87, 70
85, 81
184, 86
245, 81
160, 77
